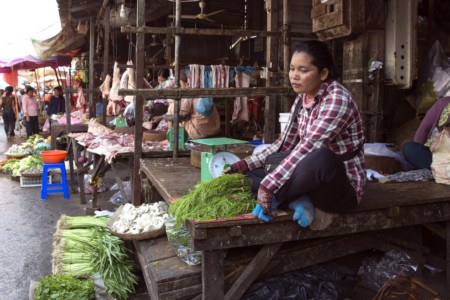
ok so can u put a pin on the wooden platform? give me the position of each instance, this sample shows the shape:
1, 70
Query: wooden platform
385, 206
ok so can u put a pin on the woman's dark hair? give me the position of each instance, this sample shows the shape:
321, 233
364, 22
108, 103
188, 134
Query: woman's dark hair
9, 89
321, 56
58, 88
164, 73
29, 88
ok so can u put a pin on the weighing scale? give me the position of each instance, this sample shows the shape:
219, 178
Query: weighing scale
212, 162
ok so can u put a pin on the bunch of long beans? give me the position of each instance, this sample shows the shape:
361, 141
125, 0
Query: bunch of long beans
84, 246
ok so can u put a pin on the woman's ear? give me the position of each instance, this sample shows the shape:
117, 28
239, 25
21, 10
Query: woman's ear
324, 74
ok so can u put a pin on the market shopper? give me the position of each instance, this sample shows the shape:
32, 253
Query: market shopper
57, 104
326, 168
8, 104
197, 125
159, 107
31, 111
418, 152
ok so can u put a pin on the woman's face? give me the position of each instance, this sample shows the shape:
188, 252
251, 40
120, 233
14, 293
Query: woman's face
56, 93
304, 76
161, 79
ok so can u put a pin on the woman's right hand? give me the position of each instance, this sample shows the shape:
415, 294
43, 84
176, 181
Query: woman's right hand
240, 167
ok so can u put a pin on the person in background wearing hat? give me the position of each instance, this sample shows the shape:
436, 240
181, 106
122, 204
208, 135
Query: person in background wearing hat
57, 104
31, 111
196, 125
8, 103
418, 152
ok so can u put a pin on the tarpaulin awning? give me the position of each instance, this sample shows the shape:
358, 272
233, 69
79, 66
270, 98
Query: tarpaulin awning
32, 62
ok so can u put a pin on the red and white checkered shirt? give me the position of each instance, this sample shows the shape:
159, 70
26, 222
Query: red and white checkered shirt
334, 122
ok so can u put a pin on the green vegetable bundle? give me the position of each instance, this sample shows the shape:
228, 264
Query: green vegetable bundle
219, 198
64, 287
84, 246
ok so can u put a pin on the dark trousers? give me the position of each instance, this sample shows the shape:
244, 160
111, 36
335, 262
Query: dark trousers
322, 176
9, 118
33, 126
418, 155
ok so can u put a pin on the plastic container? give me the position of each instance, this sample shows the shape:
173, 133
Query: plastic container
53, 156
283, 119
34, 181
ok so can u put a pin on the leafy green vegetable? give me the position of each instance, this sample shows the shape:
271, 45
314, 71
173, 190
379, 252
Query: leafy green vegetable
64, 287
219, 198
84, 246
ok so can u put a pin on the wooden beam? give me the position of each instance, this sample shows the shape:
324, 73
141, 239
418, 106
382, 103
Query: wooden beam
86, 6
272, 64
106, 27
212, 274
92, 108
253, 270
215, 93
140, 45
197, 31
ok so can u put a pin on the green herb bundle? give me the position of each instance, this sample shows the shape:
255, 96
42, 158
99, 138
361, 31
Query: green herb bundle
84, 246
219, 198
64, 287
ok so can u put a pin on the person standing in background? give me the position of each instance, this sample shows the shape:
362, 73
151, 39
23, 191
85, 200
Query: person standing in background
31, 111
57, 104
8, 103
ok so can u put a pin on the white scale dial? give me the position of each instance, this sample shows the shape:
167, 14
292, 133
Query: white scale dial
220, 161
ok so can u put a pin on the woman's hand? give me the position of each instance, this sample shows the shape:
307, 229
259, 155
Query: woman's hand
240, 167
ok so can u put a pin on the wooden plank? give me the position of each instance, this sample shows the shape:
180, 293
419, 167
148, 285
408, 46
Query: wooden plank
376, 196
177, 93
252, 271
282, 229
212, 274
447, 251
155, 249
172, 178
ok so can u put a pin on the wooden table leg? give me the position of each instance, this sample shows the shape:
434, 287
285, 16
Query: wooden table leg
253, 270
447, 244
119, 183
212, 274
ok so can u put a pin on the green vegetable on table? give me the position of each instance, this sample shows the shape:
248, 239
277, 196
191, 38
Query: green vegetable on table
64, 287
84, 246
219, 198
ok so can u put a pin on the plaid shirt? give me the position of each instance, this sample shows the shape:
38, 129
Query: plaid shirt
334, 122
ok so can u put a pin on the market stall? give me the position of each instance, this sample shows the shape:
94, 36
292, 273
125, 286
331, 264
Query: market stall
385, 207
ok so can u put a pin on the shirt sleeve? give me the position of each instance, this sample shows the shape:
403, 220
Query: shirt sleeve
333, 116
426, 126
25, 105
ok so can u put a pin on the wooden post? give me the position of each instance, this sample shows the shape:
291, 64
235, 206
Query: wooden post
272, 64
91, 67
286, 53
176, 124
140, 43
106, 26
212, 274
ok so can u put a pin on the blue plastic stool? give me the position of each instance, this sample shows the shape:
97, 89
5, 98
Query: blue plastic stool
51, 188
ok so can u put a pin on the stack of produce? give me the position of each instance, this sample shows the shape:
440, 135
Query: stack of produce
145, 218
64, 287
31, 165
219, 198
84, 246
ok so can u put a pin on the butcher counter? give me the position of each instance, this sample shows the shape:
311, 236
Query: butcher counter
236, 252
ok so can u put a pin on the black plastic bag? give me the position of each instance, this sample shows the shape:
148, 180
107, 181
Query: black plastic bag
319, 282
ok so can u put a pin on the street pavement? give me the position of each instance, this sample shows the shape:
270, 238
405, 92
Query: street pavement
27, 225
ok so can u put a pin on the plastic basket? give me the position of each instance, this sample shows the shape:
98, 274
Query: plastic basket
27, 181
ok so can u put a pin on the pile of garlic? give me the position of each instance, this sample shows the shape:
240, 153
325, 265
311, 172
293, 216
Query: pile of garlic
145, 218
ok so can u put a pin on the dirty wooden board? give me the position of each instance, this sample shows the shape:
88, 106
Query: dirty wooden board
174, 177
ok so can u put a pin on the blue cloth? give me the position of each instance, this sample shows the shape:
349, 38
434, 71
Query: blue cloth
418, 155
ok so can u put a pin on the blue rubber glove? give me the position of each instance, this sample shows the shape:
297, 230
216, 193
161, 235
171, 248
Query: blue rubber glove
303, 211
258, 212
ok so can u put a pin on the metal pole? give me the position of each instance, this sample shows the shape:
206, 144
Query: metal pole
140, 44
